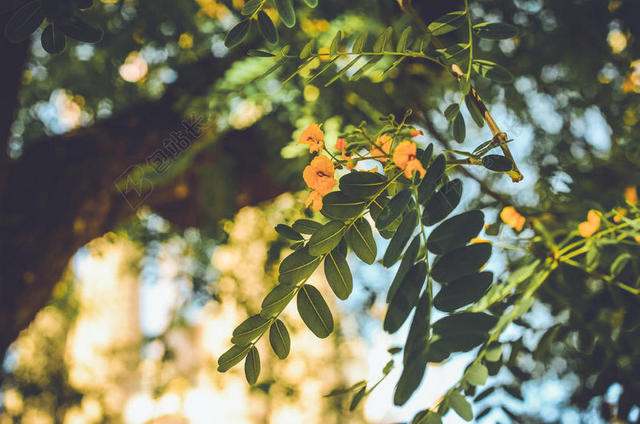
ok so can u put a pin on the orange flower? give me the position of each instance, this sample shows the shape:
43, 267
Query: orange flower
319, 175
512, 218
591, 225
631, 195
384, 147
416, 133
476, 240
638, 239
313, 136
405, 158
620, 212
341, 145
316, 199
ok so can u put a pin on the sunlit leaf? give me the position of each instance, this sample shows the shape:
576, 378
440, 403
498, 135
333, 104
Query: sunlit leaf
477, 374
297, 266
314, 311
250, 329
492, 71
447, 23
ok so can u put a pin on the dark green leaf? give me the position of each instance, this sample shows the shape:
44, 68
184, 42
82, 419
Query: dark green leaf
405, 298
493, 71
78, 29
250, 329
279, 339
452, 111
475, 113
447, 23
455, 53
484, 394
357, 398
362, 184
288, 232
232, 357
455, 232
338, 274
443, 202
400, 238
306, 226
417, 337
431, 179
343, 390
618, 265
326, 238
461, 406
314, 311
24, 21
360, 239
410, 379
381, 42
267, 28
407, 262
463, 331
250, 7
463, 291
393, 209
402, 42
237, 34
495, 30
545, 342
286, 12
252, 366
259, 53
53, 41
497, 163
277, 299
337, 205
460, 262
459, 130
297, 266
429, 417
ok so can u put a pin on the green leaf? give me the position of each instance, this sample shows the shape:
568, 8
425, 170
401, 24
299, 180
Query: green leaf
250, 7
493, 71
286, 12
370, 64
232, 357
314, 311
461, 406
259, 53
405, 298
429, 417
272, 69
447, 23
417, 337
311, 3
307, 49
277, 299
393, 209
442, 203
381, 42
455, 53
495, 30
400, 238
460, 262
252, 366
79, 30
477, 374
338, 274
326, 238
463, 291
475, 113
451, 111
53, 41
362, 184
279, 339
357, 398
250, 329
237, 34
388, 367
432, 179
545, 342
360, 239
335, 43
298, 266
24, 21
402, 42
337, 205
459, 130
407, 262
343, 390
483, 395
410, 379
342, 71
455, 232
358, 45
463, 331
288, 232
306, 226
618, 265
267, 28
497, 163
494, 353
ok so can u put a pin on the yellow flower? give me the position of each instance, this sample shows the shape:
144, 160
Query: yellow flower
512, 218
631, 195
319, 175
383, 148
313, 136
405, 158
591, 225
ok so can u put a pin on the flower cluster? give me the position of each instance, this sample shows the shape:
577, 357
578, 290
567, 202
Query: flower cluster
319, 175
